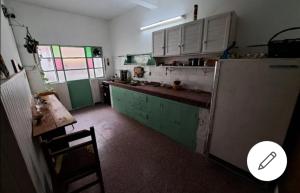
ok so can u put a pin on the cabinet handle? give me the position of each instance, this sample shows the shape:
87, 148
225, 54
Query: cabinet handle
179, 45
182, 45
205, 42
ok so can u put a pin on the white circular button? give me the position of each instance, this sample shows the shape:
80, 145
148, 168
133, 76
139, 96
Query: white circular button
266, 161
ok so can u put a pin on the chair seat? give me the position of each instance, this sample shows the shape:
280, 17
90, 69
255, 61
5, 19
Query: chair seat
76, 162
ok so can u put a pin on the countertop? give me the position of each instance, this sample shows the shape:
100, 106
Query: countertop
201, 99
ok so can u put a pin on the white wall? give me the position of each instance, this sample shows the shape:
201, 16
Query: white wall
55, 27
8, 45
258, 21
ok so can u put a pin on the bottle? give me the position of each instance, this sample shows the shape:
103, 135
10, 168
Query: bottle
195, 12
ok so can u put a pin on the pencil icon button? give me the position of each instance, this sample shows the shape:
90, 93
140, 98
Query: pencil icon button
266, 161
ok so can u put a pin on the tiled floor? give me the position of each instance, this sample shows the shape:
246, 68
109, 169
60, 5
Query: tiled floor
137, 159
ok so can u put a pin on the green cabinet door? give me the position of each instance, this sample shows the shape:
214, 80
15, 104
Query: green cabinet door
123, 106
131, 103
154, 109
171, 122
115, 94
179, 121
188, 131
119, 100
138, 106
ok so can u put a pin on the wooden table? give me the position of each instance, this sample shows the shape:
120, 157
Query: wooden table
55, 118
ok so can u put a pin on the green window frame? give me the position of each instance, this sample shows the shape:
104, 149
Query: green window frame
61, 63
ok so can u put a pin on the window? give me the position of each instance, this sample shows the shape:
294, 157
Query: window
67, 63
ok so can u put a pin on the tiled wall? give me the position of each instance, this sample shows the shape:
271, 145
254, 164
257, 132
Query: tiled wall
191, 78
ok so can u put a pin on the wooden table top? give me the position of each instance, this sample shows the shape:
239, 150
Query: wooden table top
54, 116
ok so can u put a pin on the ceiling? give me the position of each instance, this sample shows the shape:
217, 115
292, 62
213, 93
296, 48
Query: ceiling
105, 9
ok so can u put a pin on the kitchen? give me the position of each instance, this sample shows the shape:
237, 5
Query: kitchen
186, 88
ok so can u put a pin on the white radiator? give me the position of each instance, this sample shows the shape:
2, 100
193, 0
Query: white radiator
16, 99
95, 90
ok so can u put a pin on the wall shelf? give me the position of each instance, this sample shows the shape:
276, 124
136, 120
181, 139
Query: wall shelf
205, 69
191, 67
139, 59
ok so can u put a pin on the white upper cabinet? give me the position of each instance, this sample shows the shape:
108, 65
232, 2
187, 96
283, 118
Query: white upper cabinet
219, 32
173, 41
210, 35
192, 33
158, 43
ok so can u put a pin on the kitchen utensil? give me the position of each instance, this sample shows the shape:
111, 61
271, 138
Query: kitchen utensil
210, 62
195, 12
177, 82
139, 71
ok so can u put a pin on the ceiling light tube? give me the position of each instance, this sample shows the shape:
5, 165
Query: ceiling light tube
163, 22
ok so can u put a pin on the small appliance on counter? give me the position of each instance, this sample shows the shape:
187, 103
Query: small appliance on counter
124, 75
287, 48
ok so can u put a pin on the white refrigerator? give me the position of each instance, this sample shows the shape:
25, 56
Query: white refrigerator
253, 101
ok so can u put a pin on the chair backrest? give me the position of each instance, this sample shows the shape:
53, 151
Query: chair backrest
51, 155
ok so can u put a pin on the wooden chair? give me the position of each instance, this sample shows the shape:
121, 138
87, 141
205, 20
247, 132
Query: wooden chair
73, 163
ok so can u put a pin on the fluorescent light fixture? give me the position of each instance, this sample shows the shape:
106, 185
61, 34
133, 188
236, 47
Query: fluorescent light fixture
149, 4
163, 22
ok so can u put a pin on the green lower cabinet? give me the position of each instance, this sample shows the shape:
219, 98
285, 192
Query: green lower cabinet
120, 99
180, 122
176, 120
170, 124
189, 126
154, 108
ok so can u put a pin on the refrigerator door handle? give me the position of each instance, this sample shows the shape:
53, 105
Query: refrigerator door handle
284, 66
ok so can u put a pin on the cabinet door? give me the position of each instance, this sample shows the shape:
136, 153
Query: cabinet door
192, 37
173, 41
216, 33
137, 106
116, 97
154, 112
158, 43
171, 122
119, 97
188, 131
